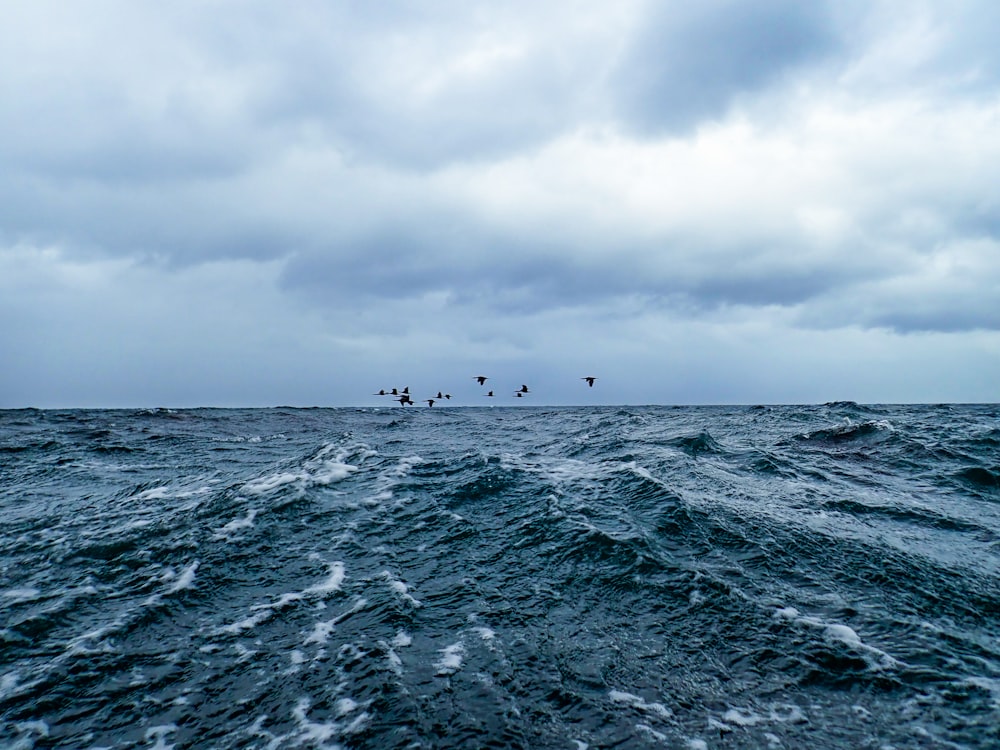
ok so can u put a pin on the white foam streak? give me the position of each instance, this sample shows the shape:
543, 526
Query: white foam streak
263, 612
322, 630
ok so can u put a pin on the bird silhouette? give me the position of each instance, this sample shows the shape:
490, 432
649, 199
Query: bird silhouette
524, 389
381, 392
404, 400
519, 394
590, 380
430, 402
481, 378
490, 394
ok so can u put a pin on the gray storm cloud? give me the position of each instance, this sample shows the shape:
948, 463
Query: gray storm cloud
469, 175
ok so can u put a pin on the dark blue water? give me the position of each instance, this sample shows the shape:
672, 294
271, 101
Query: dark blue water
732, 577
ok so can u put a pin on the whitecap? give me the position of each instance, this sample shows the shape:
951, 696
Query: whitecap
237, 524
451, 659
321, 632
247, 623
742, 718
844, 634
405, 466
267, 484
395, 663
158, 734
312, 731
244, 654
29, 730
16, 596
875, 658
487, 634
331, 471
635, 701
185, 580
333, 582
787, 712
320, 470
646, 729
401, 589
988, 684
346, 706
156, 493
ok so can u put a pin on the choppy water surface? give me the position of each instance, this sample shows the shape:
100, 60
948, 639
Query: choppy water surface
732, 577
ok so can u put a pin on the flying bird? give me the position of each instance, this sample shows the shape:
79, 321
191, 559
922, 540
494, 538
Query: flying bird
490, 394
481, 378
590, 380
381, 392
524, 389
430, 402
404, 400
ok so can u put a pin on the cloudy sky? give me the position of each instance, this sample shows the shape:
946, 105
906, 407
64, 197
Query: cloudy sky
249, 203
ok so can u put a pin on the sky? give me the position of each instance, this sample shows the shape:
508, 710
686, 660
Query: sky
248, 203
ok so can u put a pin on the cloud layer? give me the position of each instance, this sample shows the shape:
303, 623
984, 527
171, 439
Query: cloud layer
244, 204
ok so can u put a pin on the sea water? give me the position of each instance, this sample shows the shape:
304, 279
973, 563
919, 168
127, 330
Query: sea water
691, 577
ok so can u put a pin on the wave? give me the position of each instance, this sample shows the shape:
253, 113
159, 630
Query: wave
607, 577
850, 433
843, 405
980, 477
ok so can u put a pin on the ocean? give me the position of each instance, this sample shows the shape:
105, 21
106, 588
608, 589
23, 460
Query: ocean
823, 576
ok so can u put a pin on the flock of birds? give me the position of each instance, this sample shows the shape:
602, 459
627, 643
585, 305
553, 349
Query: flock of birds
403, 396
